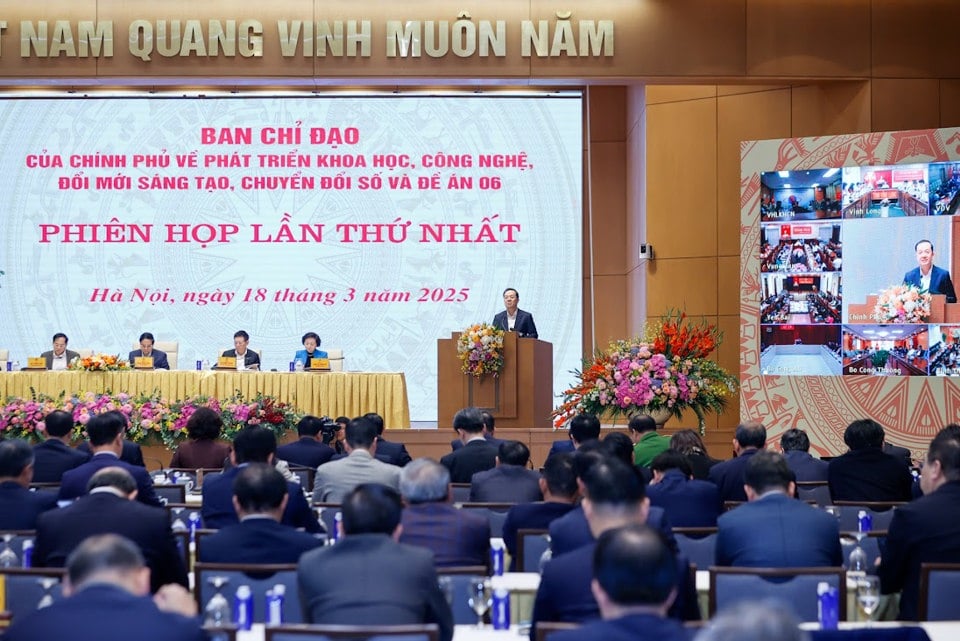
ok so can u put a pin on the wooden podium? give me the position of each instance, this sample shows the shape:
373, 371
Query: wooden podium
520, 397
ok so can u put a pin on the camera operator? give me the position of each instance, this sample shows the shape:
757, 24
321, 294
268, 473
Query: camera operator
334, 433
312, 449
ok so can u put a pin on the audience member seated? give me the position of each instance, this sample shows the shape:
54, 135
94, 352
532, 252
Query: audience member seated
19, 507
796, 451
107, 592
388, 451
749, 439
647, 442
620, 446
926, 530
309, 450
689, 443
768, 620
54, 456
110, 508
456, 537
368, 577
105, 432
259, 497
252, 445
335, 479
865, 472
510, 481
489, 426
635, 581
558, 483
129, 453
687, 502
203, 450
476, 455
774, 530
582, 428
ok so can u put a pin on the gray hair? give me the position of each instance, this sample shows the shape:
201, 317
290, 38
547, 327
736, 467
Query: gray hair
424, 481
103, 553
767, 620
115, 477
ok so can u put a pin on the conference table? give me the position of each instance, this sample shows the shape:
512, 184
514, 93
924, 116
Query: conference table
318, 393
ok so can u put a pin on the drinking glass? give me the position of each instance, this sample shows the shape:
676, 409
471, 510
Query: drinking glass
218, 612
446, 588
47, 583
868, 595
8, 558
480, 598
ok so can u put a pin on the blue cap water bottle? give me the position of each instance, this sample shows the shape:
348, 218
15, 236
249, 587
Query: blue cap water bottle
194, 525
243, 608
275, 604
864, 521
501, 609
337, 520
28, 553
496, 558
828, 606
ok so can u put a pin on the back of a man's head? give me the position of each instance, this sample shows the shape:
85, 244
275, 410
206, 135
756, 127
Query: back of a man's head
642, 423
751, 435
671, 460
361, 433
754, 621
116, 478
619, 446
489, 423
108, 558
424, 481
309, 426
254, 444
863, 434
371, 508
952, 430
15, 456
635, 567
768, 471
58, 423
584, 427
377, 420
590, 454
559, 475
513, 453
259, 488
611, 483
102, 429
795, 440
945, 449
469, 420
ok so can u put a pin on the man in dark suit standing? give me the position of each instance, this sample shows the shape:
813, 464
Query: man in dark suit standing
795, 445
635, 580
110, 508
107, 599
387, 451
54, 456
686, 501
513, 319
246, 358
456, 537
59, 358
368, 576
928, 276
105, 432
749, 439
926, 530
865, 472
476, 455
582, 428
510, 481
146, 349
775, 530
259, 496
19, 507
309, 450
489, 425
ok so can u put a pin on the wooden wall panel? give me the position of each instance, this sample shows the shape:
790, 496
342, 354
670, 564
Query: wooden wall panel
904, 104
830, 109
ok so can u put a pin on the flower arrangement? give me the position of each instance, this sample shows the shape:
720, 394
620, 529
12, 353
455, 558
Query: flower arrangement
23, 417
480, 349
664, 371
902, 304
99, 363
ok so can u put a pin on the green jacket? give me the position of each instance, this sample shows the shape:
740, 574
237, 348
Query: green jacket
647, 448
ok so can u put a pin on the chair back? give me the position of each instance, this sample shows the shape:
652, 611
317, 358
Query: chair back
180, 515
531, 544
425, 632
939, 586
4, 356
456, 582
201, 536
495, 513
170, 348
184, 476
335, 356
84, 352
182, 539
460, 492
326, 513
25, 588
173, 493
546, 628
53, 488
881, 512
817, 491
796, 587
16, 541
870, 545
260, 578
305, 476
698, 545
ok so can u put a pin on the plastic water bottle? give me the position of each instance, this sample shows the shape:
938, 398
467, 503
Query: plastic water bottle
496, 558
864, 522
337, 520
28, 553
501, 609
274, 608
199, 365
16, 366
298, 365
194, 519
243, 608
828, 606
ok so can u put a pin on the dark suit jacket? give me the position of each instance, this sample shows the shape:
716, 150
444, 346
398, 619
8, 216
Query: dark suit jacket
256, 540
74, 482
59, 532
475, 456
456, 443
940, 282
687, 503
52, 458
131, 453
925, 530
200, 453
572, 531
307, 452
218, 512
392, 453
159, 358
778, 531
901, 453
250, 357
102, 612
19, 507
48, 355
701, 465
523, 326
530, 516
370, 578
869, 475
633, 627
805, 467
456, 537
505, 484
728, 476
557, 447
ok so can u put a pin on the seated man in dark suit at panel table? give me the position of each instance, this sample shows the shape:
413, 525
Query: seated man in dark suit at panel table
252, 445
489, 425
259, 497
110, 508
368, 577
926, 530
59, 358
54, 456
107, 592
928, 276
635, 580
246, 357
146, 349
510, 481
105, 432
749, 439
687, 501
796, 450
582, 428
388, 451
309, 450
558, 483
775, 530
865, 472
456, 537
476, 455
19, 507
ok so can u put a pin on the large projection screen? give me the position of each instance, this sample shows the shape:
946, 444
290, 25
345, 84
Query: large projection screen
381, 223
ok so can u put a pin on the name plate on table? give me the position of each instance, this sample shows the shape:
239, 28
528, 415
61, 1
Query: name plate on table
36, 362
227, 362
143, 362
319, 364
